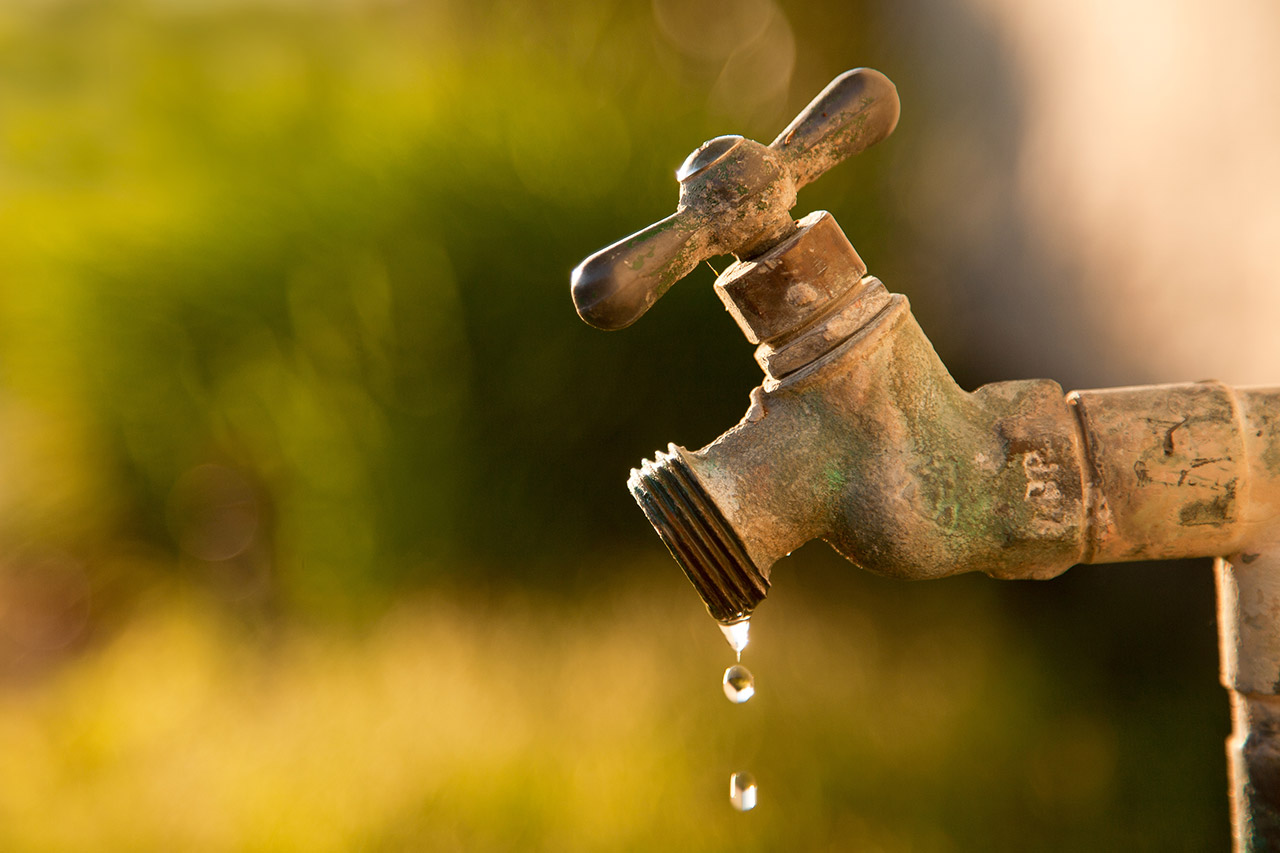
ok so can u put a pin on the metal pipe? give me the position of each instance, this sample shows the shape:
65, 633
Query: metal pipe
1248, 606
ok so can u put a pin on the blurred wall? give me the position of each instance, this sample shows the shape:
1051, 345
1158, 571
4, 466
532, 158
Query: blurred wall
1114, 167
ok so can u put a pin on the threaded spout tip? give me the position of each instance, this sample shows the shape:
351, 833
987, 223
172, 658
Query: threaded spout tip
698, 536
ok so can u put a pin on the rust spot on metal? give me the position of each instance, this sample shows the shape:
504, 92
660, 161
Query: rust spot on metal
1217, 511
1168, 437
1255, 755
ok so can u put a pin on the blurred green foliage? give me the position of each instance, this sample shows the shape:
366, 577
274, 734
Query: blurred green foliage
328, 246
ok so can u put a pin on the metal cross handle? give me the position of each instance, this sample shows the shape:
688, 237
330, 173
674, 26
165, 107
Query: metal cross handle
735, 197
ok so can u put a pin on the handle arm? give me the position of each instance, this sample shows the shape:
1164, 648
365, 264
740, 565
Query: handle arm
615, 286
856, 110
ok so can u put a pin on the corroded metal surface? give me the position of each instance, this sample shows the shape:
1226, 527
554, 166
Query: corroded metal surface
872, 446
1249, 644
843, 318
792, 284
1248, 614
876, 449
1169, 470
1253, 755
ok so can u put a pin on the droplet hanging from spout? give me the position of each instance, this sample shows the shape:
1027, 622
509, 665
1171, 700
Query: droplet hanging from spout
738, 635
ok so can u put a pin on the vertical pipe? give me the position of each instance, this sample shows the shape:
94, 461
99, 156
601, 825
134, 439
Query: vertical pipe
1249, 641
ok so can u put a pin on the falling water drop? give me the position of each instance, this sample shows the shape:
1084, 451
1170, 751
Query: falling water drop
742, 791
737, 635
739, 684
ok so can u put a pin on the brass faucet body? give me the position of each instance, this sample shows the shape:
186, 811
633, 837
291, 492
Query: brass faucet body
873, 447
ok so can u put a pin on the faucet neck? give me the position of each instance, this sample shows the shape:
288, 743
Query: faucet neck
803, 297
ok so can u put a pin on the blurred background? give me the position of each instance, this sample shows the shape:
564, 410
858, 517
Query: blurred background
313, 526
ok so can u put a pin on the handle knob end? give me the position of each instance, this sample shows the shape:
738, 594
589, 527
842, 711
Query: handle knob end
615, 286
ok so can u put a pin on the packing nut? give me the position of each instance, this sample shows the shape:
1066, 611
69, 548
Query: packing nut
792, 284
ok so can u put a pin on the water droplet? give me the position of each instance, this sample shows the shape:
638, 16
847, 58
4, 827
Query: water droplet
737, 635
742, 791
739, 684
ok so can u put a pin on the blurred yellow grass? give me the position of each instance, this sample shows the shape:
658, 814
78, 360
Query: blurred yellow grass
547, 723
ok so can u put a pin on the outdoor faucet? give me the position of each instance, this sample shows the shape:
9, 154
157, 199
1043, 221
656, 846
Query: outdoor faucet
859, 435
